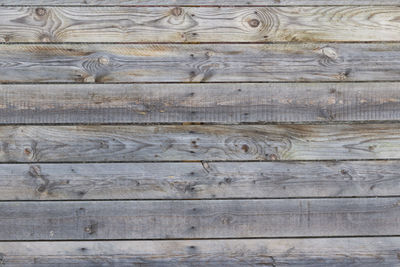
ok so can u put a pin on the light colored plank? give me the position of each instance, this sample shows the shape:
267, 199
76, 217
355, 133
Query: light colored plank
199, 63
198, 180
198, 2
199, 142
340, 252
199, 24
216, 103
187, 219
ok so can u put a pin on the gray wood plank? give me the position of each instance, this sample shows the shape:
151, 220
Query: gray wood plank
169, 219
198, 180
199, 142
108, 63
198, 2
199, 24
214, 103
340, 252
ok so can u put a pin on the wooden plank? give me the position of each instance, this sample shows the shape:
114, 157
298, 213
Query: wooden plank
200, 24
198, 2
168, 219
198, 180
199, 63
215, 103
340, 252
199, 142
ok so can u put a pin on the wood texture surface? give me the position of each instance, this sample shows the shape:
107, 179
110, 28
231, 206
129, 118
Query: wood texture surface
339, 252
188, 132
199, 63
211, 103
197, 2
199, 142
199, 219
200, 24
198, 180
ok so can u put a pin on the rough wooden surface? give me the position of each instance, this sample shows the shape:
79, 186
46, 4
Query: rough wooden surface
198, 180
36, 63
168, 219
198, 2
215, 103
199, 142
339, 252
199, 24
193, 194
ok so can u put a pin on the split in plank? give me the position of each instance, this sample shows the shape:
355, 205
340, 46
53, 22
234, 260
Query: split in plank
107, 63
211, 103
198, 180
339, 252
171, 219
197, 2
198, 142
200, 24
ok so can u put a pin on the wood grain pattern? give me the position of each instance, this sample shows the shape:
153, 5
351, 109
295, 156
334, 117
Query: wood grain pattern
199, 63
169, 219
214, 103
198, 180
340, 252
197, 2
199, 24
199, 142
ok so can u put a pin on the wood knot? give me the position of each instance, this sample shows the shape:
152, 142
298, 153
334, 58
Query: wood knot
89, 79
273, 157
45, 39
245, 148
103, 60
91, 229
329, 52
177, 11
27, 151
40, 11
226, 220
254, 23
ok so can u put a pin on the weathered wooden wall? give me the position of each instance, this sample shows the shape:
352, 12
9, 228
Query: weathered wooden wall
199, 133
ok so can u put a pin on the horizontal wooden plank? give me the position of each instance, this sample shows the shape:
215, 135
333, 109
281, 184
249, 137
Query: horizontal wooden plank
198, 2
199, 24
198, 180
199, 142
215, 103
169, 219
199, 63
340, 252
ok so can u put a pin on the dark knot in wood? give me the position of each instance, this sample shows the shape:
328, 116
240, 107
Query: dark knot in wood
254, 23
177, 11
40, 11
